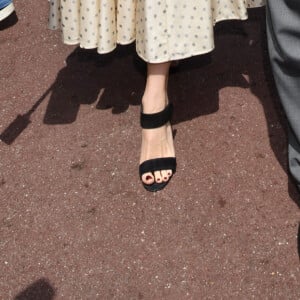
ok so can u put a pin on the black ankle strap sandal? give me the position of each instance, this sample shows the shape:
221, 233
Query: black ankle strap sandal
151, 121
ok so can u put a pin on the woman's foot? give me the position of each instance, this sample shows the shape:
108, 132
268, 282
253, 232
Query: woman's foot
156, 142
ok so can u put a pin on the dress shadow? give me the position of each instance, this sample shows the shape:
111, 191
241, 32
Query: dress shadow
109, 81
39, 290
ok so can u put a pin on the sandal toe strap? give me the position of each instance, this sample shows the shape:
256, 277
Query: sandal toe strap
150, 121
158, 164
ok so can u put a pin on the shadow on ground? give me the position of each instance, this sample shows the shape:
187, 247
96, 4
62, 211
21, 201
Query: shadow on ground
39, 290
110, 81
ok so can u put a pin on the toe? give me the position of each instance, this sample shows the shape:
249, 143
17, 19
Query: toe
169, 172
165, 176
158, 177
148, 178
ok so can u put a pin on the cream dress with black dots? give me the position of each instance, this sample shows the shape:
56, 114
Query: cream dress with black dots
164, 30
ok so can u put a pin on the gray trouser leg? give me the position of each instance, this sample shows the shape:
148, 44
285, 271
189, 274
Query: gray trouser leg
283, 27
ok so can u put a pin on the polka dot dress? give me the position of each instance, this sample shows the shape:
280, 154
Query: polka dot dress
164, 30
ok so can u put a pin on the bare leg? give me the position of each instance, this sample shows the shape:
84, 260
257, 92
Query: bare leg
158, 142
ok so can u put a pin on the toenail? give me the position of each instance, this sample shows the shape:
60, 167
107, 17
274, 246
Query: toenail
148, 177
165, 178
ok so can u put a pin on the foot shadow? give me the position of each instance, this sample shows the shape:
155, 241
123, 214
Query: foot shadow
39, 290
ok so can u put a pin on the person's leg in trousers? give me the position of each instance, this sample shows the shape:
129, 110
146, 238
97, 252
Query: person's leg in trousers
283, 27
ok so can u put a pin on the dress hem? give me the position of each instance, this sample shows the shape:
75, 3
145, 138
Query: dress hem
157, 61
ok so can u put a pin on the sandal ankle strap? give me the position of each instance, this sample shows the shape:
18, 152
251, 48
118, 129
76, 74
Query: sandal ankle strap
150, 121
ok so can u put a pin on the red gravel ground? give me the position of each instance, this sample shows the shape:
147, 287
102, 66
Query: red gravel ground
75, 222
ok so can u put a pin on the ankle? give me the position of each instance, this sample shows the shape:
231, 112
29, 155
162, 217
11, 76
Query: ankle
154, 136
154, 102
